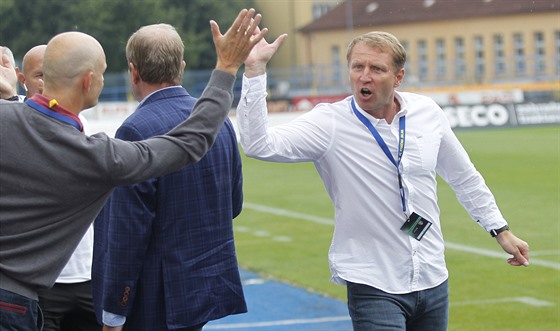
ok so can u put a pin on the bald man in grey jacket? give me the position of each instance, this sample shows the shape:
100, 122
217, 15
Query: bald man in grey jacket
54, 180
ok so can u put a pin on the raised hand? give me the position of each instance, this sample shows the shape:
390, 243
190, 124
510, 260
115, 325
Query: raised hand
8, 78
235, 45
256, 62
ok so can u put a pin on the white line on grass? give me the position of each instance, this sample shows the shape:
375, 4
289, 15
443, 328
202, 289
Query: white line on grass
288, 213
487, 252
449, 245
524, 300
549, 252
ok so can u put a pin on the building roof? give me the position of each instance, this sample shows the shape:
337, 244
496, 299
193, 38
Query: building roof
367, 13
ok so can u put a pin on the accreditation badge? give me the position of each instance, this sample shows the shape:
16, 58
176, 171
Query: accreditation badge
416, 226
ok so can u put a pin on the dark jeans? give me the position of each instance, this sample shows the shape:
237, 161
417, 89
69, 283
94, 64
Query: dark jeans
19, 313
372, 309
68, 307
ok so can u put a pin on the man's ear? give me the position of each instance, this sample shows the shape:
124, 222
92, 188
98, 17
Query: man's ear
134, 75
87, 80
21, 79
399, 78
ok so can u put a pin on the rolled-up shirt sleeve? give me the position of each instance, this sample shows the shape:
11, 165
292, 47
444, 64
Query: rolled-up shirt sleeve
305, 138
113, 320
456, 168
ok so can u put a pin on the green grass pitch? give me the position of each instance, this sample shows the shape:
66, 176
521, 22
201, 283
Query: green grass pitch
281, 231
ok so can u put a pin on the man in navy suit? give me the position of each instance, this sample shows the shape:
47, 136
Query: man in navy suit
164, 254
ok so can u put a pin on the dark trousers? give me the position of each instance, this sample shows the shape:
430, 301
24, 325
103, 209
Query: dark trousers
68, 307
19, 313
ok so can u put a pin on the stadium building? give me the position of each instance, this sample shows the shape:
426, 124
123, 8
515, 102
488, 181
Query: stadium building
471, 53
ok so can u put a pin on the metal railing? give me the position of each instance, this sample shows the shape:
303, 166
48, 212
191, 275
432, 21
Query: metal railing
333, 80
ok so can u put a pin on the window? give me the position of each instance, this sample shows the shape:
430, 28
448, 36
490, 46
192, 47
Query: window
441, 68
407, 63
422, 60
405, 46
479, 57
460, 64
320, 9
519, 54
499, 55
540, 57
335, 60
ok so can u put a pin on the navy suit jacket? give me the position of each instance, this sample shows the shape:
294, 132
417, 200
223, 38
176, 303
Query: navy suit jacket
164, 254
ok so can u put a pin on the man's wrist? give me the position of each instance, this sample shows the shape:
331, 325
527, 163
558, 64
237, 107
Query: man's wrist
230, 69
254, 70
496, 232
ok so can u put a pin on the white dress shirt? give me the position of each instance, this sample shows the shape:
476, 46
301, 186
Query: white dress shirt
78, 268
368, 246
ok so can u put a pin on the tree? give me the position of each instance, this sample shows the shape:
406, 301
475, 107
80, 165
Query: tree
26, 23
199, 49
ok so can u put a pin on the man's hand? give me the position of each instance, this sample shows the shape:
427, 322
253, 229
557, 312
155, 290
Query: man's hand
235, 45
110, 328
255, 64
8, 78
514, 246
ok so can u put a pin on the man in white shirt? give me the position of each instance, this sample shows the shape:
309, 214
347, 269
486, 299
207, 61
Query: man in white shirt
378, 153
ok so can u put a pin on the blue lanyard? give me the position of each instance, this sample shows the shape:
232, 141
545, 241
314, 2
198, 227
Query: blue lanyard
383, 145
53, 114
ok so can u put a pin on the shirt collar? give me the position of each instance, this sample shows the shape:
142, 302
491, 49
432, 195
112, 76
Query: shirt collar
52, 105
374, 120
161, 89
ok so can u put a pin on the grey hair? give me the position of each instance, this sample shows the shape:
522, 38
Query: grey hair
8, 52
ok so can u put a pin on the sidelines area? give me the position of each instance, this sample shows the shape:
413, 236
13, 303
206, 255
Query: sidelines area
275, 306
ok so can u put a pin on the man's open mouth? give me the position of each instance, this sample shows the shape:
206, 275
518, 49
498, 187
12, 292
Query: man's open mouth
365, 92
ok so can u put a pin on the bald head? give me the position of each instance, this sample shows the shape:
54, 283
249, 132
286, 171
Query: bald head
36, 54
31, 75
73, 69
68, 56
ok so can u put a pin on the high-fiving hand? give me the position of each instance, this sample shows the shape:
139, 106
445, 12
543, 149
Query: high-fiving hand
256, 62
235, 45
